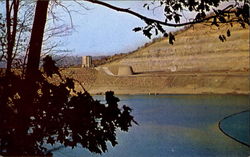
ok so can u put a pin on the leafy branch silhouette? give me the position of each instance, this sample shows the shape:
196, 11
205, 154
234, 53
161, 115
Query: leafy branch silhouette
56, 114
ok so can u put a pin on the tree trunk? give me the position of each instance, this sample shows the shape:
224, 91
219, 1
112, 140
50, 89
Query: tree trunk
36, 39
11, 23
32, 71
20, 145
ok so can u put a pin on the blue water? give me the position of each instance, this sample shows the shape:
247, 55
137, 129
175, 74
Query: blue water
237, 126
175, 126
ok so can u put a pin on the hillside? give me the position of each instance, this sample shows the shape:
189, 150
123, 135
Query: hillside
196, 49
197, 63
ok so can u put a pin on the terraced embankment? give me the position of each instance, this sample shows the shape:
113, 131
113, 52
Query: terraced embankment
196, 49
98, 82
197, 63
164, 83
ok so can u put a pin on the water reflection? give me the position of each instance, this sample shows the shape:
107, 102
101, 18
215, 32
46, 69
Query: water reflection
176, 125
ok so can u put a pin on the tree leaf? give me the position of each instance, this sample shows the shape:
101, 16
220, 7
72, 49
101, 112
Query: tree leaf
159, 27
136, 29
165, 34
147, 33
215, 22
156, 31
177, 18
228, 33
222, 38
171, 38
222, 19
242, 24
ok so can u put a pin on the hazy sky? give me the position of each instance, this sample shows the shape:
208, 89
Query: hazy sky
102, 31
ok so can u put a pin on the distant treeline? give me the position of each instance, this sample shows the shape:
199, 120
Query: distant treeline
76, 61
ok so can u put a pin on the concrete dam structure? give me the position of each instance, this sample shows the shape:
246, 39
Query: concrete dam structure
125, 70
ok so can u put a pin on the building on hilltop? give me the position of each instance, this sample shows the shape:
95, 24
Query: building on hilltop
86, 61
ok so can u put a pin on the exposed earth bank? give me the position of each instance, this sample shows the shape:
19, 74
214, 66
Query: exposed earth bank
98, 82
197, 63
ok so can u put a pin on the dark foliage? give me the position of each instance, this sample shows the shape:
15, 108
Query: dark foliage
55, 114
205, 12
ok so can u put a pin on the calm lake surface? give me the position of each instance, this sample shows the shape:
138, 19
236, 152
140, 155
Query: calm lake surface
240, 132
175, 126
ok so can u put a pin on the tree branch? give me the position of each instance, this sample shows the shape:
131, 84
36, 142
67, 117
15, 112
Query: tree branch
14, 32
150, 20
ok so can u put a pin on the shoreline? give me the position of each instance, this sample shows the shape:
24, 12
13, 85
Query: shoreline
97, 82
154, 94
239, 94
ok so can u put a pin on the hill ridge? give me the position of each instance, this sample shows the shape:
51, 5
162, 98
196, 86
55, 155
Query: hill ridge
196, 49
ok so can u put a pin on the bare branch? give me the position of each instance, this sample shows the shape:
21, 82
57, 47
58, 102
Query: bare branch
68, 11
81, 4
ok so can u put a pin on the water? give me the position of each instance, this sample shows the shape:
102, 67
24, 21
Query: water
235, 127
175, 126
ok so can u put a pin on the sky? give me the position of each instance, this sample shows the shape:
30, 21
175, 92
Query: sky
102, 31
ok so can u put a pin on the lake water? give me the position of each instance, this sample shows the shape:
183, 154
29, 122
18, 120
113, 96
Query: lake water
175, 126
234, 126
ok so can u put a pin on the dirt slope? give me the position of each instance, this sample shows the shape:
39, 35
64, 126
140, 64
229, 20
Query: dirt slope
197, 63
196, 49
